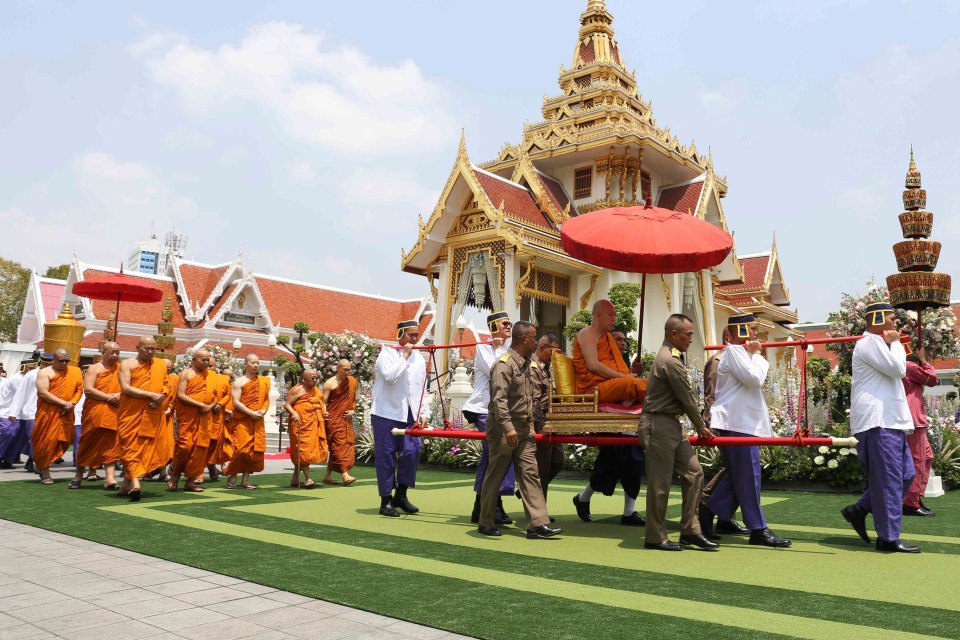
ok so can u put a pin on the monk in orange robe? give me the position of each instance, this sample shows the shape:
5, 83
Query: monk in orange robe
251, 399
195, 402
340, 397
163, 453
221, 445
59, 389
598, 363
308, 438
99, 445
144, 387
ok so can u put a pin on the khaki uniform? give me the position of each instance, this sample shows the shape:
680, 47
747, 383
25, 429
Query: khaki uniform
512, 401
669, 396
549, 456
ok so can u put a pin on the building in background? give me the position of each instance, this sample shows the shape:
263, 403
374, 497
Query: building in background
153, 255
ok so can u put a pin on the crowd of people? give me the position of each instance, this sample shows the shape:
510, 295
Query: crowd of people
138, 414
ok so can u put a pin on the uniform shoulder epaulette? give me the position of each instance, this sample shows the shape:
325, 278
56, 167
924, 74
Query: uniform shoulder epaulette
675, 352
533, 363
505, 357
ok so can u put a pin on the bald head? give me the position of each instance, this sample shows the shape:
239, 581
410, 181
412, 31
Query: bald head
61, 358
604, 316
146, 347
201, 360
310, 377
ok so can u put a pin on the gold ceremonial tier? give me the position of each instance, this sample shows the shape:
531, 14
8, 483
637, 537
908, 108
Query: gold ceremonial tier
64, 333
164, 342
914, 199
913, 174
165, 328
917, 255
916, 224
919, 289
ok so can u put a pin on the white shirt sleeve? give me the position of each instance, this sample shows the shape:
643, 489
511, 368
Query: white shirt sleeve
749, 370
390, 364
890, 361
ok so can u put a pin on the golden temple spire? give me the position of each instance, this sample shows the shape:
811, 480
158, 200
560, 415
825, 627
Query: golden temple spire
913, 174
595, 43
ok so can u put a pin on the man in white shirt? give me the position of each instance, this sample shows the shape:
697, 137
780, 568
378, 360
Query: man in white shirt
399, 401
880, 421
740, 410
11, 438
24, 408
476, 406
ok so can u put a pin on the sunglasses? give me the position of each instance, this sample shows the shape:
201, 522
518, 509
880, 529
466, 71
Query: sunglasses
63, 361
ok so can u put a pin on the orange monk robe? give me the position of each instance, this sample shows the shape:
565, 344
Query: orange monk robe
249, 439
221, 445
611, 389
165, 435
138, 425
99, 444
340, 434
308, 438
53, 429
193, 428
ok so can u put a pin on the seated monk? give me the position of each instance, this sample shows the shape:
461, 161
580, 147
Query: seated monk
598, 363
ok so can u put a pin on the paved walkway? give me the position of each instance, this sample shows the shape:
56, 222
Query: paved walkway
57, 586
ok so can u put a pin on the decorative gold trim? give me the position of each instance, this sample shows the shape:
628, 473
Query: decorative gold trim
666, 291
585, 298
524, 281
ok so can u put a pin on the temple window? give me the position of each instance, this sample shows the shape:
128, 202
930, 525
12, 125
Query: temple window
582, 182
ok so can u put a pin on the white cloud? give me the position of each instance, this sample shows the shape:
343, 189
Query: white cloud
723, 98
303, 173
102, 165
387, 204
332, 96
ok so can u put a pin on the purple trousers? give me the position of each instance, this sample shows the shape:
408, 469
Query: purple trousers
12, 439
509, 479
76, 442
395, 457
26, 432
740, 484
888, 467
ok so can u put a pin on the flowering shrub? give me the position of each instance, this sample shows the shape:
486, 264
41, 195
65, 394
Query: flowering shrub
221, 359
939, 332
326, 349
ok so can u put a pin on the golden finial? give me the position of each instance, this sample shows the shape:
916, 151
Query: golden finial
65, 313
596, 5
913, 174
462, 151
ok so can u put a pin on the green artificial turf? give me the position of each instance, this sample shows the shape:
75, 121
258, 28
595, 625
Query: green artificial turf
596, 580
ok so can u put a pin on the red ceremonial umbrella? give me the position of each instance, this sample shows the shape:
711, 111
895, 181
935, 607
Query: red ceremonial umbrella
118, 287
645, 240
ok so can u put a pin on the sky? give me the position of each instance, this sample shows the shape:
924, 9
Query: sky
310, 135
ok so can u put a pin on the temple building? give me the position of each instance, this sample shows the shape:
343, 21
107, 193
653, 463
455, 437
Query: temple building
493, 239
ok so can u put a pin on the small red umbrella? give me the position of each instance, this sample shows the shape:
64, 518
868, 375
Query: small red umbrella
118, 287
645, 240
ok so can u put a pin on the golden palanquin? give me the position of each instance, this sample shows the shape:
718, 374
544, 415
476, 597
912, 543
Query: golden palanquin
572, 412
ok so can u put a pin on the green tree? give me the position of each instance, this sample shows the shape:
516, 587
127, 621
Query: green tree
624, 296
59, 272
14, 280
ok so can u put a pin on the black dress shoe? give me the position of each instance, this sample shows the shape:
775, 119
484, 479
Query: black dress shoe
633, 520
731, 527
917, 511
857, 517
401, 502
489, 531
583, 509
475, 514
926, 508
29, 466
5, 465
552, 519
896, 546
500, 516
768, 538
666, 545
543, 531
389, 511
698, 540
706, 523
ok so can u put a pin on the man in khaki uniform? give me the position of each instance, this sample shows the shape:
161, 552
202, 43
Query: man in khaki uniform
510, 435
668, 452
549, 456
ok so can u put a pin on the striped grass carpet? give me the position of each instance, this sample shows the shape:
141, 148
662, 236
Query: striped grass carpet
594, 581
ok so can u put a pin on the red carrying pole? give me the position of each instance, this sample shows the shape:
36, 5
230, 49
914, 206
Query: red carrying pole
621, 441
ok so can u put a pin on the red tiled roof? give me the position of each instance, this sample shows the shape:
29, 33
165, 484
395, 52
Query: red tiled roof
615, 50
517, 202
754, 275
200, 281
586, 52
556, 193
215, 309
139, 312
51, 293
683, 198
331, 311
742, 302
